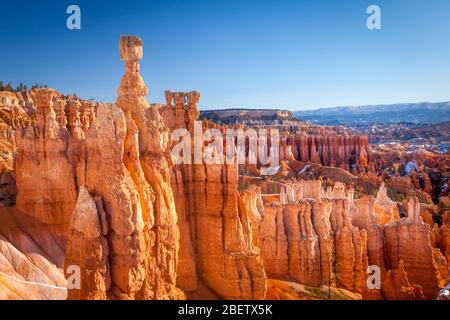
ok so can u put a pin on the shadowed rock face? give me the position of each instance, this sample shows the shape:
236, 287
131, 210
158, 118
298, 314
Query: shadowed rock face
31, 258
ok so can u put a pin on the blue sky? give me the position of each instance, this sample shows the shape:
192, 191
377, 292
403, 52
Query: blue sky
237, 53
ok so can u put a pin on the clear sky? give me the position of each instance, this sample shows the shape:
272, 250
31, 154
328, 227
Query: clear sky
237, 53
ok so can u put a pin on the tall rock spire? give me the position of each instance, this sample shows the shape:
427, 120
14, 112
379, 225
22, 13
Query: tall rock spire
153, 135
126, 166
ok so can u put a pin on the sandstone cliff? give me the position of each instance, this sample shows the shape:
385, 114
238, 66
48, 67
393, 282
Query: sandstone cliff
216, 223
31, 258
349, 152
313, 241
124, 163
329, 238
98, 189
410, 266
118, 156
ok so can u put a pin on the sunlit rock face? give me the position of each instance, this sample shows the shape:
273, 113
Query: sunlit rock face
330, 149
117, 157
47, 155
385, 209
217, 224
43, 159
88, 249
125, 165
314, 242
332, 239
409, 240
97, 189
412, 267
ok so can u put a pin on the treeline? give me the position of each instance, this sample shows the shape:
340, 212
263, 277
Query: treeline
21, 87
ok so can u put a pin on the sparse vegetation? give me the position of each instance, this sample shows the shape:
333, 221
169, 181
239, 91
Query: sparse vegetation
395, 195
21, 87
323, 295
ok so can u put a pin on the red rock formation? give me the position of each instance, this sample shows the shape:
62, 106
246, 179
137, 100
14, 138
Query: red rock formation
138, 226
43, 160
341, 238
125, 164
330, 149
227, 262
87, 249
31, 258
385, 210
411, 268
303, 244
443, 239
122, 158
217, 245
314, 242
408, 240
273, 241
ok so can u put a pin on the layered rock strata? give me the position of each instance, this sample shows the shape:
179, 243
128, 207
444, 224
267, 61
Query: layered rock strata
329, 238
314, 242
119, 156
348, 152
110, 202
216, 225
31, 258
125, 163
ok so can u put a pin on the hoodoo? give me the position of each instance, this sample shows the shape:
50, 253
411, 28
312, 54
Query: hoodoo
94, 188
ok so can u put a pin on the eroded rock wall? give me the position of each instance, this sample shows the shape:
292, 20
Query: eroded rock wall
216, 224
125, 163
330, 149
314, 242
333, 239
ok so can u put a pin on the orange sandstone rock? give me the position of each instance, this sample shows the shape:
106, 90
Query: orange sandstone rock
217, 228
87, 249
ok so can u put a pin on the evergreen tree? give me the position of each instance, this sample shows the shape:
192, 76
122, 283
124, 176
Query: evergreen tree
1, 85
20, 87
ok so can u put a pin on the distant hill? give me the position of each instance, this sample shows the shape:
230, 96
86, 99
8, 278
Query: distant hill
417, 113
252, 117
